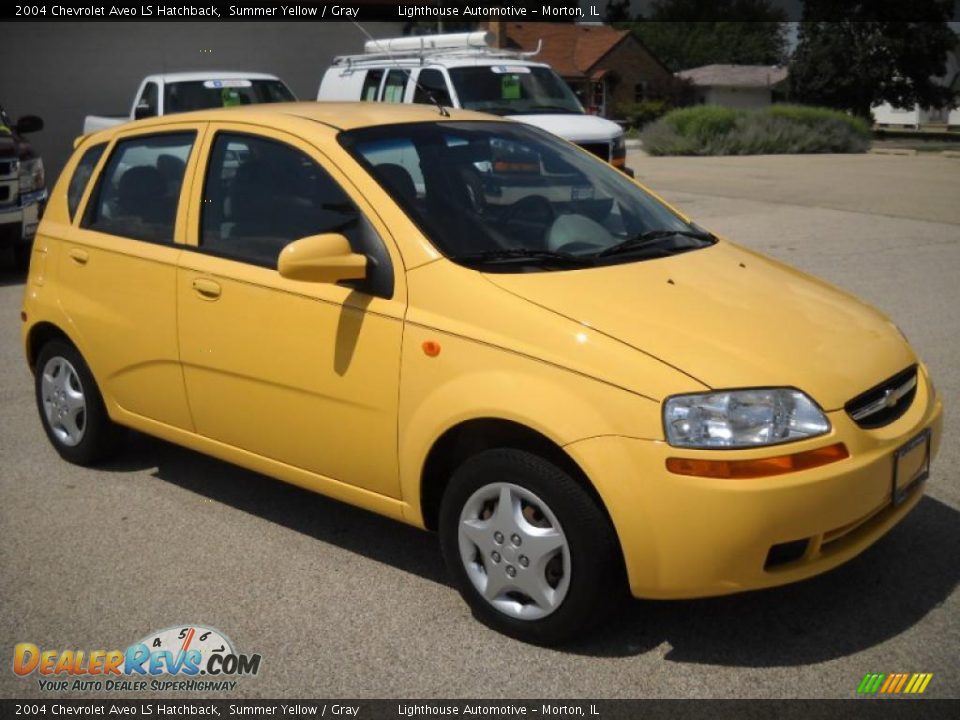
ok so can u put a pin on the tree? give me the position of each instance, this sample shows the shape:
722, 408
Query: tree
743, 32
618, 11
856, 61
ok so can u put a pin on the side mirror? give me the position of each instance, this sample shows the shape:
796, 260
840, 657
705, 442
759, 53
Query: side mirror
326, 258
142, 111
28, 124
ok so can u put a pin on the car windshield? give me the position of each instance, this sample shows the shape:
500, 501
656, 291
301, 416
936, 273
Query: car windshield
506, 197
207, 94
513, 90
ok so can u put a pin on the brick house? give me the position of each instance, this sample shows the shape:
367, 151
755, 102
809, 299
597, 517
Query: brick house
605, 67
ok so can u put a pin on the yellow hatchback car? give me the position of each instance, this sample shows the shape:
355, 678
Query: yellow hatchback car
472, 326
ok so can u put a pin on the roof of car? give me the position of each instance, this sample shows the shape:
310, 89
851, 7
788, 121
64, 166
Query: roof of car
210, 75
337, 115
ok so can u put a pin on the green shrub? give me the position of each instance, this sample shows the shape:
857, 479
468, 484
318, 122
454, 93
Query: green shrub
639, 114
778, 129
812, 116
705, 122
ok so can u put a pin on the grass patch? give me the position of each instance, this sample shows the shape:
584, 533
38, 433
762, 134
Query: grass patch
778, 129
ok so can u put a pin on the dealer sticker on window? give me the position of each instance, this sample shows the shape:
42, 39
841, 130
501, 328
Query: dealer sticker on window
226, 84
510, 69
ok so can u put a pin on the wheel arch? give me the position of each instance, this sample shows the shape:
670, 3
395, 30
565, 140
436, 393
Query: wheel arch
468, 438
39, 335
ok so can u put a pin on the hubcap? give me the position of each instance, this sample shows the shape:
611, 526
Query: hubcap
63, 402
514, 551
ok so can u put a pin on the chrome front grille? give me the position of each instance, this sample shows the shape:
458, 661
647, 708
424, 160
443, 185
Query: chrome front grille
886, 402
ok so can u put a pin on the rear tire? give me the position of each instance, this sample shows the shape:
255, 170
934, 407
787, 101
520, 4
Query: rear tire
529, 549
71, 407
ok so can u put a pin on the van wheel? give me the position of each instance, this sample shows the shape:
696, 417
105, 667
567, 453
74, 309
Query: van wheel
71, 407
528, 548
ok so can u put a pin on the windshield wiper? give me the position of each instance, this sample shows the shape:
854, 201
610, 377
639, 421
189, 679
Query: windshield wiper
490, 257
651, 238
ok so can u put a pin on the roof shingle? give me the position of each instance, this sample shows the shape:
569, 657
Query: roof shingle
572, 50
744, 76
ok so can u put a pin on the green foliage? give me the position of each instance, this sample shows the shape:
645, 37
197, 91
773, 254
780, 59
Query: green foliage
812, 116
638, 114
847, 59
744, 32
779, 129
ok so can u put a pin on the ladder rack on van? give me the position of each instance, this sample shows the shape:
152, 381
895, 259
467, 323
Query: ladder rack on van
423, 54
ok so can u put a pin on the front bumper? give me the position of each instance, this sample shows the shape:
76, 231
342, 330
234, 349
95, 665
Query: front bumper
19, 221
688, 536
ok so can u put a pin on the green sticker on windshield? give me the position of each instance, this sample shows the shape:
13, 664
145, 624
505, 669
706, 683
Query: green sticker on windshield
510, 87
229, 97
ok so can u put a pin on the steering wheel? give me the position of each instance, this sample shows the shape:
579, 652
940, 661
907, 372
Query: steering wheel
536, 207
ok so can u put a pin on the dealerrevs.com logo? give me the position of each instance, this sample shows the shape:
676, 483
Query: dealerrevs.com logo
183, 657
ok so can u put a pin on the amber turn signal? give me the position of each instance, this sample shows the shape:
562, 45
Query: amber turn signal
761, 467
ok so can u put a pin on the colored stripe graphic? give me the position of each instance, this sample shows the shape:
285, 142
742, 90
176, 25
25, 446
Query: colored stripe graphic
894, 683
870, 683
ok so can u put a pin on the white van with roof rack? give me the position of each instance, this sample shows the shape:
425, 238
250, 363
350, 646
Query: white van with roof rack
463, 70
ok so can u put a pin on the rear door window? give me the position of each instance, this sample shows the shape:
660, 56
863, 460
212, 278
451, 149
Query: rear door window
138, 191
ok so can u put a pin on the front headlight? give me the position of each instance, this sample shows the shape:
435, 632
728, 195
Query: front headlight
31, 175
742, 418
618, 149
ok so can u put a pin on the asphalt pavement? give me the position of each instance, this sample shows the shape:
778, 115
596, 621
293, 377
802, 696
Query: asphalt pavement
343, 603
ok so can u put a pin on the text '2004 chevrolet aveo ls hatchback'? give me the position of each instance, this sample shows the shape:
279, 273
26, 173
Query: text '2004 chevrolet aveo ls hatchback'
471, 326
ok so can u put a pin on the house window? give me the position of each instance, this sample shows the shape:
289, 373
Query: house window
640, 91
599, 96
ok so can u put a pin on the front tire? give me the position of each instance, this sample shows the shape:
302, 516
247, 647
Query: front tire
529, 549
71, 408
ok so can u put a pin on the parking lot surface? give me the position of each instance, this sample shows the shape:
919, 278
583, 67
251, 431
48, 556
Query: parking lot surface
342, 603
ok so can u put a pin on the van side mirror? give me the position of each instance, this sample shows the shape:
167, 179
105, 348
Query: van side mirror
28, 124
143, 110
326, 258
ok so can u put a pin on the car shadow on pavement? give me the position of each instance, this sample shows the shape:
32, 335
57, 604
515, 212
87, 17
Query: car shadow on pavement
880, 594
330, 521
9, 276
876, 596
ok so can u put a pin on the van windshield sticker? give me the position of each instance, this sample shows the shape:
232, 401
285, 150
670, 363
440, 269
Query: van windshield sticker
512, 69
510, 87
229, 97
213, 84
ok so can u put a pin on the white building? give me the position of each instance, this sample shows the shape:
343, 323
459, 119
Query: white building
916, 117
735, 86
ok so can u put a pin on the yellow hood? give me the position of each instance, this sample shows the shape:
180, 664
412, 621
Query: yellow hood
730, 318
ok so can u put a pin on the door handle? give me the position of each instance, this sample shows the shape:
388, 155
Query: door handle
207, 289
79, 256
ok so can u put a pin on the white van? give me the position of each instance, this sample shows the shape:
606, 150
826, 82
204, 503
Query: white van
462, 70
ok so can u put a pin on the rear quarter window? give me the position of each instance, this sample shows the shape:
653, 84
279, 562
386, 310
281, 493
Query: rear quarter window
81, 176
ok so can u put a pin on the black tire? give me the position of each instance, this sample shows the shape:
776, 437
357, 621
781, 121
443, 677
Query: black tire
99, 436
595, 582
